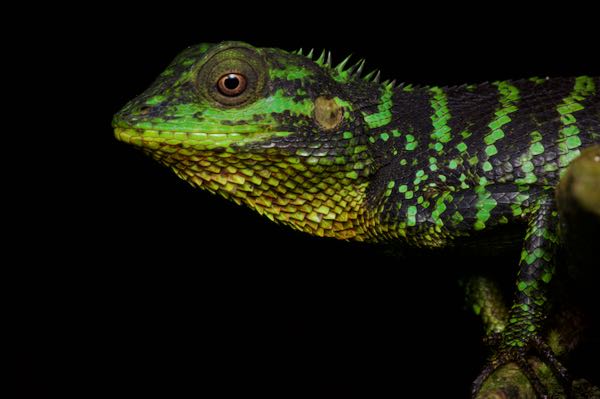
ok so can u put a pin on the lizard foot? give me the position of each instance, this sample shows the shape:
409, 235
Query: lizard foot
519, 354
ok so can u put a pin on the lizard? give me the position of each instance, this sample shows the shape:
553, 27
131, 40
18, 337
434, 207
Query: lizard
335, 152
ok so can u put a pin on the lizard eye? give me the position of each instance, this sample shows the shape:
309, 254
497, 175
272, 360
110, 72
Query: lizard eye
232, 84
231, 76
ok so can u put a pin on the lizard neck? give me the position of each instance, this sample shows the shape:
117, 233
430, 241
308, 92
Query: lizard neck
398, 123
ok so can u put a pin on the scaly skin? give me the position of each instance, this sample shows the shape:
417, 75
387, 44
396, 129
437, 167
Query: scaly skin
318, 148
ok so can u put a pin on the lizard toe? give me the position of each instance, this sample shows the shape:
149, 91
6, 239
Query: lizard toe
526, 361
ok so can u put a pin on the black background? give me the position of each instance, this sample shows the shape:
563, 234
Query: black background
133, 283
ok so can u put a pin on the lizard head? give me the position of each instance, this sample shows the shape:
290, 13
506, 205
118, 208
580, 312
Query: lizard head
280, 132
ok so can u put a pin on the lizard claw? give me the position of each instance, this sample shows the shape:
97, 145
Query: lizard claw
519, 356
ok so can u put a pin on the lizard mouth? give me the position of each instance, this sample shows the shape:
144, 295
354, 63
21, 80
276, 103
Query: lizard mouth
139, 137
154, 139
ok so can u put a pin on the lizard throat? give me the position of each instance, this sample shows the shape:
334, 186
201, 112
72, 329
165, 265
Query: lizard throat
316, 200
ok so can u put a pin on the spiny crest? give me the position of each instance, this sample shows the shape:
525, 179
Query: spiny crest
342, 73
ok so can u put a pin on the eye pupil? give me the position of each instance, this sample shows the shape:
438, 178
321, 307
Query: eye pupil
231, 84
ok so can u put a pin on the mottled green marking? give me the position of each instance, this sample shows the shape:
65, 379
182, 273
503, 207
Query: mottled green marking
568, 141
537, 80
411, 142
411, 213
440, 208
384, 114
536, 148
484, 205
290, 72
509, 96
441, 131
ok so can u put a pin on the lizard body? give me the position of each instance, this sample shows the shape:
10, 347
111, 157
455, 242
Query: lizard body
324, 150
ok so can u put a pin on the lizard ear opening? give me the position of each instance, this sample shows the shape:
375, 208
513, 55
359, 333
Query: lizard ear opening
232, 76
328, 113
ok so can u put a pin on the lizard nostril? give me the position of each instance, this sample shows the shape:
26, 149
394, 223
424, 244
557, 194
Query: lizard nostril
144, 109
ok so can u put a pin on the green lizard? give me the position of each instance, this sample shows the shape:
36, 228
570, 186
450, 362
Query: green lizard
330, 152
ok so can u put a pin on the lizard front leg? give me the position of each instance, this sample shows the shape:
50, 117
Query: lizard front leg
522, 334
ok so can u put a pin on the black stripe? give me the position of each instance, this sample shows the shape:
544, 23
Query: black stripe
411, 113
471, 110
